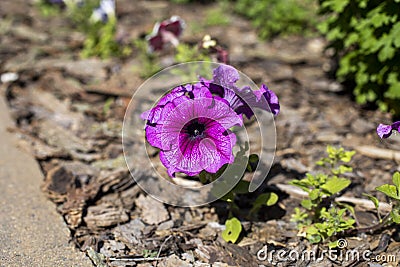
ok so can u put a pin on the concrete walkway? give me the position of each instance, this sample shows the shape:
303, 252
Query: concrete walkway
31, 231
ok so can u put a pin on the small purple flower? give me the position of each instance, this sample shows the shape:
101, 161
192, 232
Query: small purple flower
385, 131
56, 2
168, 31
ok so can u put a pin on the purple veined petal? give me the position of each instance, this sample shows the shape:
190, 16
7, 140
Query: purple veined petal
396, 126
225, 76
185, 123
385, 131
217, 148
271, 97
154, 115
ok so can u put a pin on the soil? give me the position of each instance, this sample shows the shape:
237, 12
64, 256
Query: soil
69, 113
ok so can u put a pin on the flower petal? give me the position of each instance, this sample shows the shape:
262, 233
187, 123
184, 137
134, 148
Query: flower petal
384, 131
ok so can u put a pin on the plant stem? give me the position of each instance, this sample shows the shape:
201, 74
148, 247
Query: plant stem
370, 229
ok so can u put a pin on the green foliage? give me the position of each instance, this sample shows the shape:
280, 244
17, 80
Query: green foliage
100, 40
279, 17
149, 253
187, 53
217, 16
331, 222
322, 217
366, 34
149, 64
393, 192
232, 230
47, 9
100, 37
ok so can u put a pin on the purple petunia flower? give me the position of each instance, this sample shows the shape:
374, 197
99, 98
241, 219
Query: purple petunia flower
190, 124
168, 31
384, 131
192, 132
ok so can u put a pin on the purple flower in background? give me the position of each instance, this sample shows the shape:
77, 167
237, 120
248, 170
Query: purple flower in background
384, 131
168, 31
56, 2
192, 131
104, 12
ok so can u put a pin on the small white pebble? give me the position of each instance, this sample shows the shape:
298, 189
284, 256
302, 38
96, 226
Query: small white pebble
9, 77
216, 225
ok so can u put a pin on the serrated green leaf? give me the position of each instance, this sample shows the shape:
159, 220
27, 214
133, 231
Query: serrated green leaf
389, 190
335, 185
396, 180
232, 230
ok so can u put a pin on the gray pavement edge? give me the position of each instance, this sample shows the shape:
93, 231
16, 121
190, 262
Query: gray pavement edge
31, 231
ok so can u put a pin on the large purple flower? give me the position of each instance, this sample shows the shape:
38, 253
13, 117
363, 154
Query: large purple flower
192, 131
191, 124
384, 131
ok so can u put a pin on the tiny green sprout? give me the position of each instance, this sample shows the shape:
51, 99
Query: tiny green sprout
232, 230
149, 253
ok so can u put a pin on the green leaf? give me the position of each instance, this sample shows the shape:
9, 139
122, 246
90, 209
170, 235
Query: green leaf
306, 203
333, 244
347, 156
335, 185
314, 239
373, 199
232, 230
241, 188
389, 190
267, 199
396, 180
395, 216
253, 162
314, 194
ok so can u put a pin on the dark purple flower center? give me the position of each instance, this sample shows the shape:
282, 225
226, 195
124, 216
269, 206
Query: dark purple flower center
194, 129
